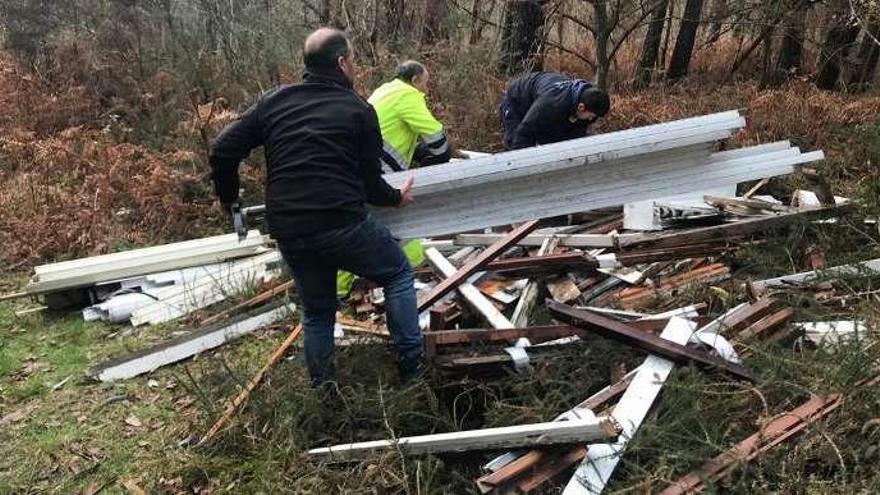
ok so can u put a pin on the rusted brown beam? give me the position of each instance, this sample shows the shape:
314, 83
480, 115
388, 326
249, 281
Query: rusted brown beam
774, 433
535, 334
549, 262
476, 264
589, 322
731, 230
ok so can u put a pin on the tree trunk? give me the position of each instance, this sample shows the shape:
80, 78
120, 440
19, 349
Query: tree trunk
665, 50
684, 43
651, 46
436, 28
720, 12
600, 26
766, 60
791, 51
869, 53
838, 40
395, 10
521, 36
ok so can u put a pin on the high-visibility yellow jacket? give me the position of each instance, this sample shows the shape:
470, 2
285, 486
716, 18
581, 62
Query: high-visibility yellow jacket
405, 121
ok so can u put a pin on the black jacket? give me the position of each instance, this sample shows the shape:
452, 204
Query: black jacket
544, 104
322, 146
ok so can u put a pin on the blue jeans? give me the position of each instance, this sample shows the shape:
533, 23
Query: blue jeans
366, 249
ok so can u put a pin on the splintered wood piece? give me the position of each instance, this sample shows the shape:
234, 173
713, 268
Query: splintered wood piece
478, 263
242, 396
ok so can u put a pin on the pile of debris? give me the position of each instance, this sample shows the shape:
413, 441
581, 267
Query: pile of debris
630, 219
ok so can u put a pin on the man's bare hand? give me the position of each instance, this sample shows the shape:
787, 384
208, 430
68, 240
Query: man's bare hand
406, 196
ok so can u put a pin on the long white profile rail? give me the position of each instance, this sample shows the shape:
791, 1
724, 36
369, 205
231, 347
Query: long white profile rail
531, 435
580, 189
207, 290
870, 267
137, 262
596, 469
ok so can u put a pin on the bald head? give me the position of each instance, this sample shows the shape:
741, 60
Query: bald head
323, 48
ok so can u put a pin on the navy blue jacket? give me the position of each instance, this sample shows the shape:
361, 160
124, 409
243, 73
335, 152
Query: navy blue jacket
539, 108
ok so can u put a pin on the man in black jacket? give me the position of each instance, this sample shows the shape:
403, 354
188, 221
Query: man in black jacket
322, 145
546, 107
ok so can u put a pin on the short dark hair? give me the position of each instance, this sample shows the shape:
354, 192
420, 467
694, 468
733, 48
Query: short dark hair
324, 46
408, 70
596, 101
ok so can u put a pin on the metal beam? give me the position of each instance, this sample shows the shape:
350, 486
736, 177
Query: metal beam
189, 345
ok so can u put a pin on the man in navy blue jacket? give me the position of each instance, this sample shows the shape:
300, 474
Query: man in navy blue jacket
546, 107
322, 145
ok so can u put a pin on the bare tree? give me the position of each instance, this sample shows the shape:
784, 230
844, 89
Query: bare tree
869, 52
684, 43
651, 45
839, 38
521, 36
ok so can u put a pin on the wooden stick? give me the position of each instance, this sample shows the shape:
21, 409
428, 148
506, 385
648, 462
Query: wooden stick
258, 299
495, 250
13, 295
242, 396
751, 192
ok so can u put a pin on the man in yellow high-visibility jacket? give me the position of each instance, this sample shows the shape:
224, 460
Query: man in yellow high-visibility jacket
411, 135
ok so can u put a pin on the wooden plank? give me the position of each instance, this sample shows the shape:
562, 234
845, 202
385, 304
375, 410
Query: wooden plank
14, 295
470, 293
530, 266
635, 297
772, 434
537, 458
529, 296
756, 204
596, 469
551, 468
535, 240
495, 250
730, 230
535, 334
189, 345
640, 256
742, 318
767, 324
549, 433
615, 330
